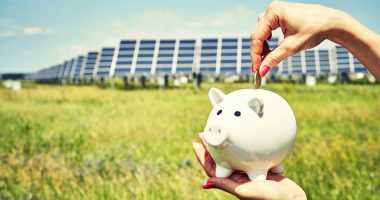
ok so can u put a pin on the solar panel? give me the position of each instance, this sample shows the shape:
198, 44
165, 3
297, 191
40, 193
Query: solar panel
72, 67
89, 68
79, 67
165, 57
343, 59
358, 66
105, 62
67, 68
145, 55
186, 53
125, 57
310, 62
246, 63
296, 64
228, 63
208, 59
324, 62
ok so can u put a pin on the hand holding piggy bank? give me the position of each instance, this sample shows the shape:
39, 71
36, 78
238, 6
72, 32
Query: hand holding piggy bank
249, 130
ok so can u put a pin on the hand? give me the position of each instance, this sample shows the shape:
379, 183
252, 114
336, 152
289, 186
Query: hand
305, 26
238, 184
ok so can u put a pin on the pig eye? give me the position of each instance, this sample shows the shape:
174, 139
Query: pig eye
237, 113
219, 112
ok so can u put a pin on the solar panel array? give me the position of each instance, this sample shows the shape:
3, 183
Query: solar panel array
218, 56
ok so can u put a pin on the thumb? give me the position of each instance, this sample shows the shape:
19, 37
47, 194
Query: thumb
224, 184
286, 48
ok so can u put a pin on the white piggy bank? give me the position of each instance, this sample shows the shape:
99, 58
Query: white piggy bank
249, 130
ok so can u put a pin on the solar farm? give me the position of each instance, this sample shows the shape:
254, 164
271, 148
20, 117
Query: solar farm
118, 123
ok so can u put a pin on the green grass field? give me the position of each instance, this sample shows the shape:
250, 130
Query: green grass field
67, 142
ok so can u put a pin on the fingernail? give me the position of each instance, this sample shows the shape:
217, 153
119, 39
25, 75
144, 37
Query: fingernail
253, 68
264, 71
208, 185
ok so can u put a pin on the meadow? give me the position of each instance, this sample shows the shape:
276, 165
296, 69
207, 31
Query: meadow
86, 142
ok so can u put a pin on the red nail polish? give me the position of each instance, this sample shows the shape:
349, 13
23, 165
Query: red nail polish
208, 185
264, 71
253, 68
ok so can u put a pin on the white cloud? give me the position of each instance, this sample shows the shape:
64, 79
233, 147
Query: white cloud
239, 20
32, 30
241, 16
159, 23
14, 29
26, 31
7, 34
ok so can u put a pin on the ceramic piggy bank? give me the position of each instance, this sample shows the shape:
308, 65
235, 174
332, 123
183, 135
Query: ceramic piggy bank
249, 130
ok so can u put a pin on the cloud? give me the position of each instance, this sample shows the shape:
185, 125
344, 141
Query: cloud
32, 30
14, 29
27, 31
166, 23
240, 16
239, 20
7, 34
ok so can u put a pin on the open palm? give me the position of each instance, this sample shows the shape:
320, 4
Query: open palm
238, 183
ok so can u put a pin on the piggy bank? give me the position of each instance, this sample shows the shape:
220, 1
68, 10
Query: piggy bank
249, 130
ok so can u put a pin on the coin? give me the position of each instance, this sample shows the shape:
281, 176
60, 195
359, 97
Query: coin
257, 80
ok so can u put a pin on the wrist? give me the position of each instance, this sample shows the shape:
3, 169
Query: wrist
339, 30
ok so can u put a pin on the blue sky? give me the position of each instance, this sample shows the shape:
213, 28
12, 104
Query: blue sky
35, 34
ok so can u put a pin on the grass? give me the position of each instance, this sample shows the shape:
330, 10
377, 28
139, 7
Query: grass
90, 143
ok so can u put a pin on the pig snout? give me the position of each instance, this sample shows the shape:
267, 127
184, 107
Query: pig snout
215, 135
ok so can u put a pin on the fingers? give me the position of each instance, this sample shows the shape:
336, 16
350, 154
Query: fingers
239, 177
257, 44
266, 49
201, 137
279, 169
205, 159
287, 47
263, 31
224, 184
261, 16
275, 177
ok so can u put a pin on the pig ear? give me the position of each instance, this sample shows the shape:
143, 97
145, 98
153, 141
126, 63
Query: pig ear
257, 105
216, 96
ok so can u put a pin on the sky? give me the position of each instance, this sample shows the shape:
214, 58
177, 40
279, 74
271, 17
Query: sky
36, 34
